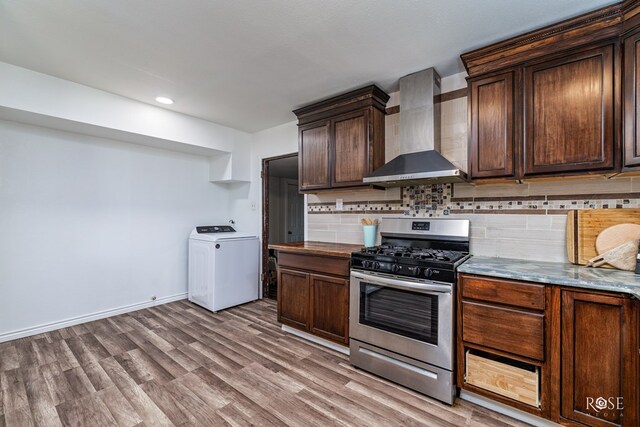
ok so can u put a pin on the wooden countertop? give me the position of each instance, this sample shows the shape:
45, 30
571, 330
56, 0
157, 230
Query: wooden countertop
341, 250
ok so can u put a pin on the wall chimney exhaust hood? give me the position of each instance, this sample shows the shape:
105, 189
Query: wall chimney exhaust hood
420, 161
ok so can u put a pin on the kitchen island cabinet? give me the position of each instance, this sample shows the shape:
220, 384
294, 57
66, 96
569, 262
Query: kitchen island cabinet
313, 288
576, 339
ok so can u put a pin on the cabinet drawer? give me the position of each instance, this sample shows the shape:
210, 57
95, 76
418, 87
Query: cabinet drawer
317, 263
512, 331
519, 294
515, 380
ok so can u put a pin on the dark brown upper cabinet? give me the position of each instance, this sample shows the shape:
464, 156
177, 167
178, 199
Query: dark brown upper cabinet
553, 102
568, 115
631, 96
313, 152
351, 148
492, 126
341, 140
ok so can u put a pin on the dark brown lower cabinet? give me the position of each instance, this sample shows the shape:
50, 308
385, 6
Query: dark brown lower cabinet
576, 351
329, 307
599, 371
313, 295
293, 298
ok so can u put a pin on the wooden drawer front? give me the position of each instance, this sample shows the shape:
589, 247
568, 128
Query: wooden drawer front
508, 330
318, 263
519, 294
506, 380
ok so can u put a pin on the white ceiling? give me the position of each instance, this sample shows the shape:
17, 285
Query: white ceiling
248, 63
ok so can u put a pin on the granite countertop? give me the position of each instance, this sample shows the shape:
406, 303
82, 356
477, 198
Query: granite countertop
555, 273
342, 250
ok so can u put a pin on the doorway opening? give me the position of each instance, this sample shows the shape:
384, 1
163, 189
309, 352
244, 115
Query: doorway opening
282, 214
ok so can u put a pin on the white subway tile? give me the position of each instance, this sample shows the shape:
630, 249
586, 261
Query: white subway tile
323, 236
524, 234
353, 237
558, 222
499, 220
347, 228
464, 190
484, 247
597, 185
490, 190
318, 226
477, 232
539, 222
535, 250
349, 219
323, 219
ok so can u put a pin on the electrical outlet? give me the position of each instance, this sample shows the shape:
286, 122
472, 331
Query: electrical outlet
254, 205
339, 205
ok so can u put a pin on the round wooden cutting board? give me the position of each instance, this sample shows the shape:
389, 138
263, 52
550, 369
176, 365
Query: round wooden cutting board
615, 236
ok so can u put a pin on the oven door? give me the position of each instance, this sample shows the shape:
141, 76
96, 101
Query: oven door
407, 316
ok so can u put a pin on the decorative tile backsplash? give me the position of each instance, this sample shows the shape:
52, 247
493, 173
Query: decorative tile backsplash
439, 200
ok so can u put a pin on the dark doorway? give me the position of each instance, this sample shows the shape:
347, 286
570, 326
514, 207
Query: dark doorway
282, 213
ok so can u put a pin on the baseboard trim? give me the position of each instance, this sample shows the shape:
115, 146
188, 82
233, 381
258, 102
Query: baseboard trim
315, 339
506, 410
48, 327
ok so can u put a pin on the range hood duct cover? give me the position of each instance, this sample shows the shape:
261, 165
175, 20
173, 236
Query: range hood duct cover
420, 161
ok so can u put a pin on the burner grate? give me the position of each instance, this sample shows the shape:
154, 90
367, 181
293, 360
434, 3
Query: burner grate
427, 254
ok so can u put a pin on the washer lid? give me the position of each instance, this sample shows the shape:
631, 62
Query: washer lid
218, 237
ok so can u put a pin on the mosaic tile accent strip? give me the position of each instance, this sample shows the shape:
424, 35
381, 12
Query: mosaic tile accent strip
437, 200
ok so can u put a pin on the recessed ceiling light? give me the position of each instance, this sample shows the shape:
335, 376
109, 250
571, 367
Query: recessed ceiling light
164, 100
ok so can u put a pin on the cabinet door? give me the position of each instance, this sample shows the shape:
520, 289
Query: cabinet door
492, 126
313, 163
350, 155
569, 122
631, 97
293, 298
330, 308
599, 359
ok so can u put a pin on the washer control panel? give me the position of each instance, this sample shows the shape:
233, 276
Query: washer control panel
206, 229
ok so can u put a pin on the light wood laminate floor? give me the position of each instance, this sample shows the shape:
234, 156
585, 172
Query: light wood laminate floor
178, 364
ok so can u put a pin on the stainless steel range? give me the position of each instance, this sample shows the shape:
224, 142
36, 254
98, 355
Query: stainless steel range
401, 317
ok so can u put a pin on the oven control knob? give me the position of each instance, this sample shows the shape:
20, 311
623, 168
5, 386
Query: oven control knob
366, 264
395, 268
428, 272
376, 265
414, 271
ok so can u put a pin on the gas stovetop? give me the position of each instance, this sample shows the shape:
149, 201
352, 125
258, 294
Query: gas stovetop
426, 254
422, 263
426, 249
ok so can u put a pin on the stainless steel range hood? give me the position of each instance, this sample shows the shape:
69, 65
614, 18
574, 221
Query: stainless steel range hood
420, 161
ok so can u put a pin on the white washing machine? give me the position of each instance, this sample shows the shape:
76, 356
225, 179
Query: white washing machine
223, 267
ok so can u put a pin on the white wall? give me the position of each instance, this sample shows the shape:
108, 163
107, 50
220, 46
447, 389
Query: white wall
88, 224
246, 199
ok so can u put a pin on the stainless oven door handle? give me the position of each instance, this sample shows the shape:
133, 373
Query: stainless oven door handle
401, 284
